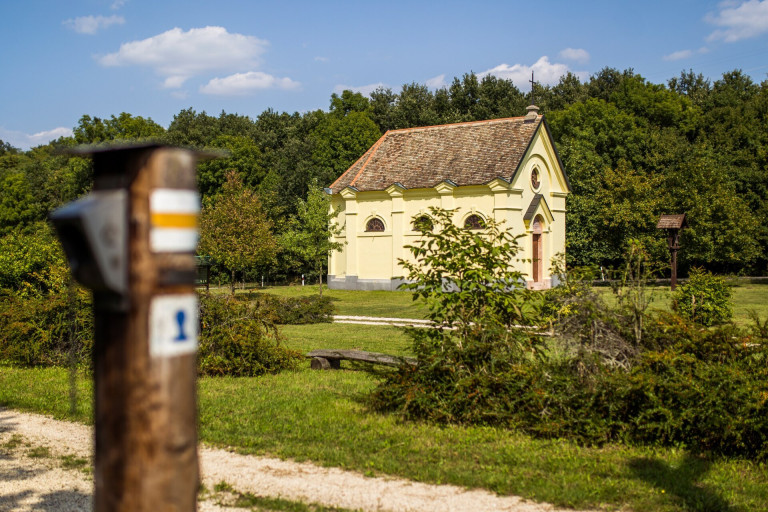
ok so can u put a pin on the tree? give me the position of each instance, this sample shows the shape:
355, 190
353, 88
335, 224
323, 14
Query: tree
309, 238
5, 147
123, 127
339, 142
243, 156
19, 205
348, 102
32, 263
234, 230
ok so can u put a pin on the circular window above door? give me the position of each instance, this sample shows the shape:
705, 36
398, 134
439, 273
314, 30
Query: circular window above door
535, 179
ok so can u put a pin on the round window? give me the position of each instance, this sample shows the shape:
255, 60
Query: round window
535, 178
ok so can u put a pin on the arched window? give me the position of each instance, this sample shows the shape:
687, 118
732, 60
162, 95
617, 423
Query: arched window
374, 225
422, 223
474, 221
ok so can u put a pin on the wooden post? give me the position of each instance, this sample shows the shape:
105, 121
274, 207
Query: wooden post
673, 247
145, 350
673, 224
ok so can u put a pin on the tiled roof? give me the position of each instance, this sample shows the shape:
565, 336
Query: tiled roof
672, 222
471, 153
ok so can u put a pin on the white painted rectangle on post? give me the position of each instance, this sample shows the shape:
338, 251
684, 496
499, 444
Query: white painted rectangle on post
173, 325
173, 220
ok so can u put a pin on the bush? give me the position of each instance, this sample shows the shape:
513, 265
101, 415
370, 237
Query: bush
236, 337
610, 374
32, 263
239, 338
462, 372
54, 329
310, 309
709, 393
704, 298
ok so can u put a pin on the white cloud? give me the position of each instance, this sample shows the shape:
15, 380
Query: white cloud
25, 141
545, 73
575, 54
684, 54
322, 59
739, 20
678, 55
365, 90
178, 55
437, 82
241, 84
117, 4
92, 24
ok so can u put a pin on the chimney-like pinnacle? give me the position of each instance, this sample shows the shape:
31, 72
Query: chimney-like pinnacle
533, 113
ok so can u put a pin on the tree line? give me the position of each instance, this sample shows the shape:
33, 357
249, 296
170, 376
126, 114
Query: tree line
633, 150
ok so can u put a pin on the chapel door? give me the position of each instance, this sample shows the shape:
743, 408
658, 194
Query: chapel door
538, 251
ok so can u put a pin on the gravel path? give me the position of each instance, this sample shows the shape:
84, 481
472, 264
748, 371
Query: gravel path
34, 450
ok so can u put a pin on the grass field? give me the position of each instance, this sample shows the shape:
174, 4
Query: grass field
322, 417
747, 297
319, 416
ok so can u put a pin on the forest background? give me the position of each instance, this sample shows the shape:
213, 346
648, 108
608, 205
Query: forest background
633, 150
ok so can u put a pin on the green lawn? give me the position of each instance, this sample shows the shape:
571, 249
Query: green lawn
348, 302
321, 417
373, 338
747, 297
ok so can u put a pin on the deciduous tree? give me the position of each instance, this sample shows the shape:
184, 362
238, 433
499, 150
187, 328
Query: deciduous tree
234, 230
309, 238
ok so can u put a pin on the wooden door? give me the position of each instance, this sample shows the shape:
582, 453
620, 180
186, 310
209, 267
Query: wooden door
538, 251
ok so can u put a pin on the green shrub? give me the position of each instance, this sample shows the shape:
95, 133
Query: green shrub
32, 263
239, 338
45, 330
465, 280
620, 373
704, 298
236, 337
708, 392
311, 309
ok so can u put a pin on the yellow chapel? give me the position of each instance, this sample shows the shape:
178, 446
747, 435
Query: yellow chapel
504, 169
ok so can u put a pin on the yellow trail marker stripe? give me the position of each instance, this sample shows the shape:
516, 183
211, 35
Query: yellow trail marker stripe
174, 220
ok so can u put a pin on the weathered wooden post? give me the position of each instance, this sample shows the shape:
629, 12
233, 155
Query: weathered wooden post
673, 224
132, 240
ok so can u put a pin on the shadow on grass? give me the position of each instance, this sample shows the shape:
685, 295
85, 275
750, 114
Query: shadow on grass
682, 482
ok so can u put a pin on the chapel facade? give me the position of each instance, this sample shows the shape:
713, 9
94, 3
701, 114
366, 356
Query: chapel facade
504, 169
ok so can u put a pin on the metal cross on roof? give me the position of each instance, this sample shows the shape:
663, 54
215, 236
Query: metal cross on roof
533, 83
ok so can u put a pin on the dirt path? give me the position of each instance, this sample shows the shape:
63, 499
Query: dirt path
45, 465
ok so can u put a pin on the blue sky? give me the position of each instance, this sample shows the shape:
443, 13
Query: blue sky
64, 59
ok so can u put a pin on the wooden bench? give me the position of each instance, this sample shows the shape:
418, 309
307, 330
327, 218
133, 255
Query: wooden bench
328, 359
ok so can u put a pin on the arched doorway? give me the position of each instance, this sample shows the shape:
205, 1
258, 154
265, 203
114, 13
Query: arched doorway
537, 253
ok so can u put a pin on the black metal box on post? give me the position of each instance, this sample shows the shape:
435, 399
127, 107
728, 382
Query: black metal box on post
132, 241
673, 224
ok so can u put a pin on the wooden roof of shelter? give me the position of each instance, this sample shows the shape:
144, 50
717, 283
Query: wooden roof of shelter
672, 222
472, 153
